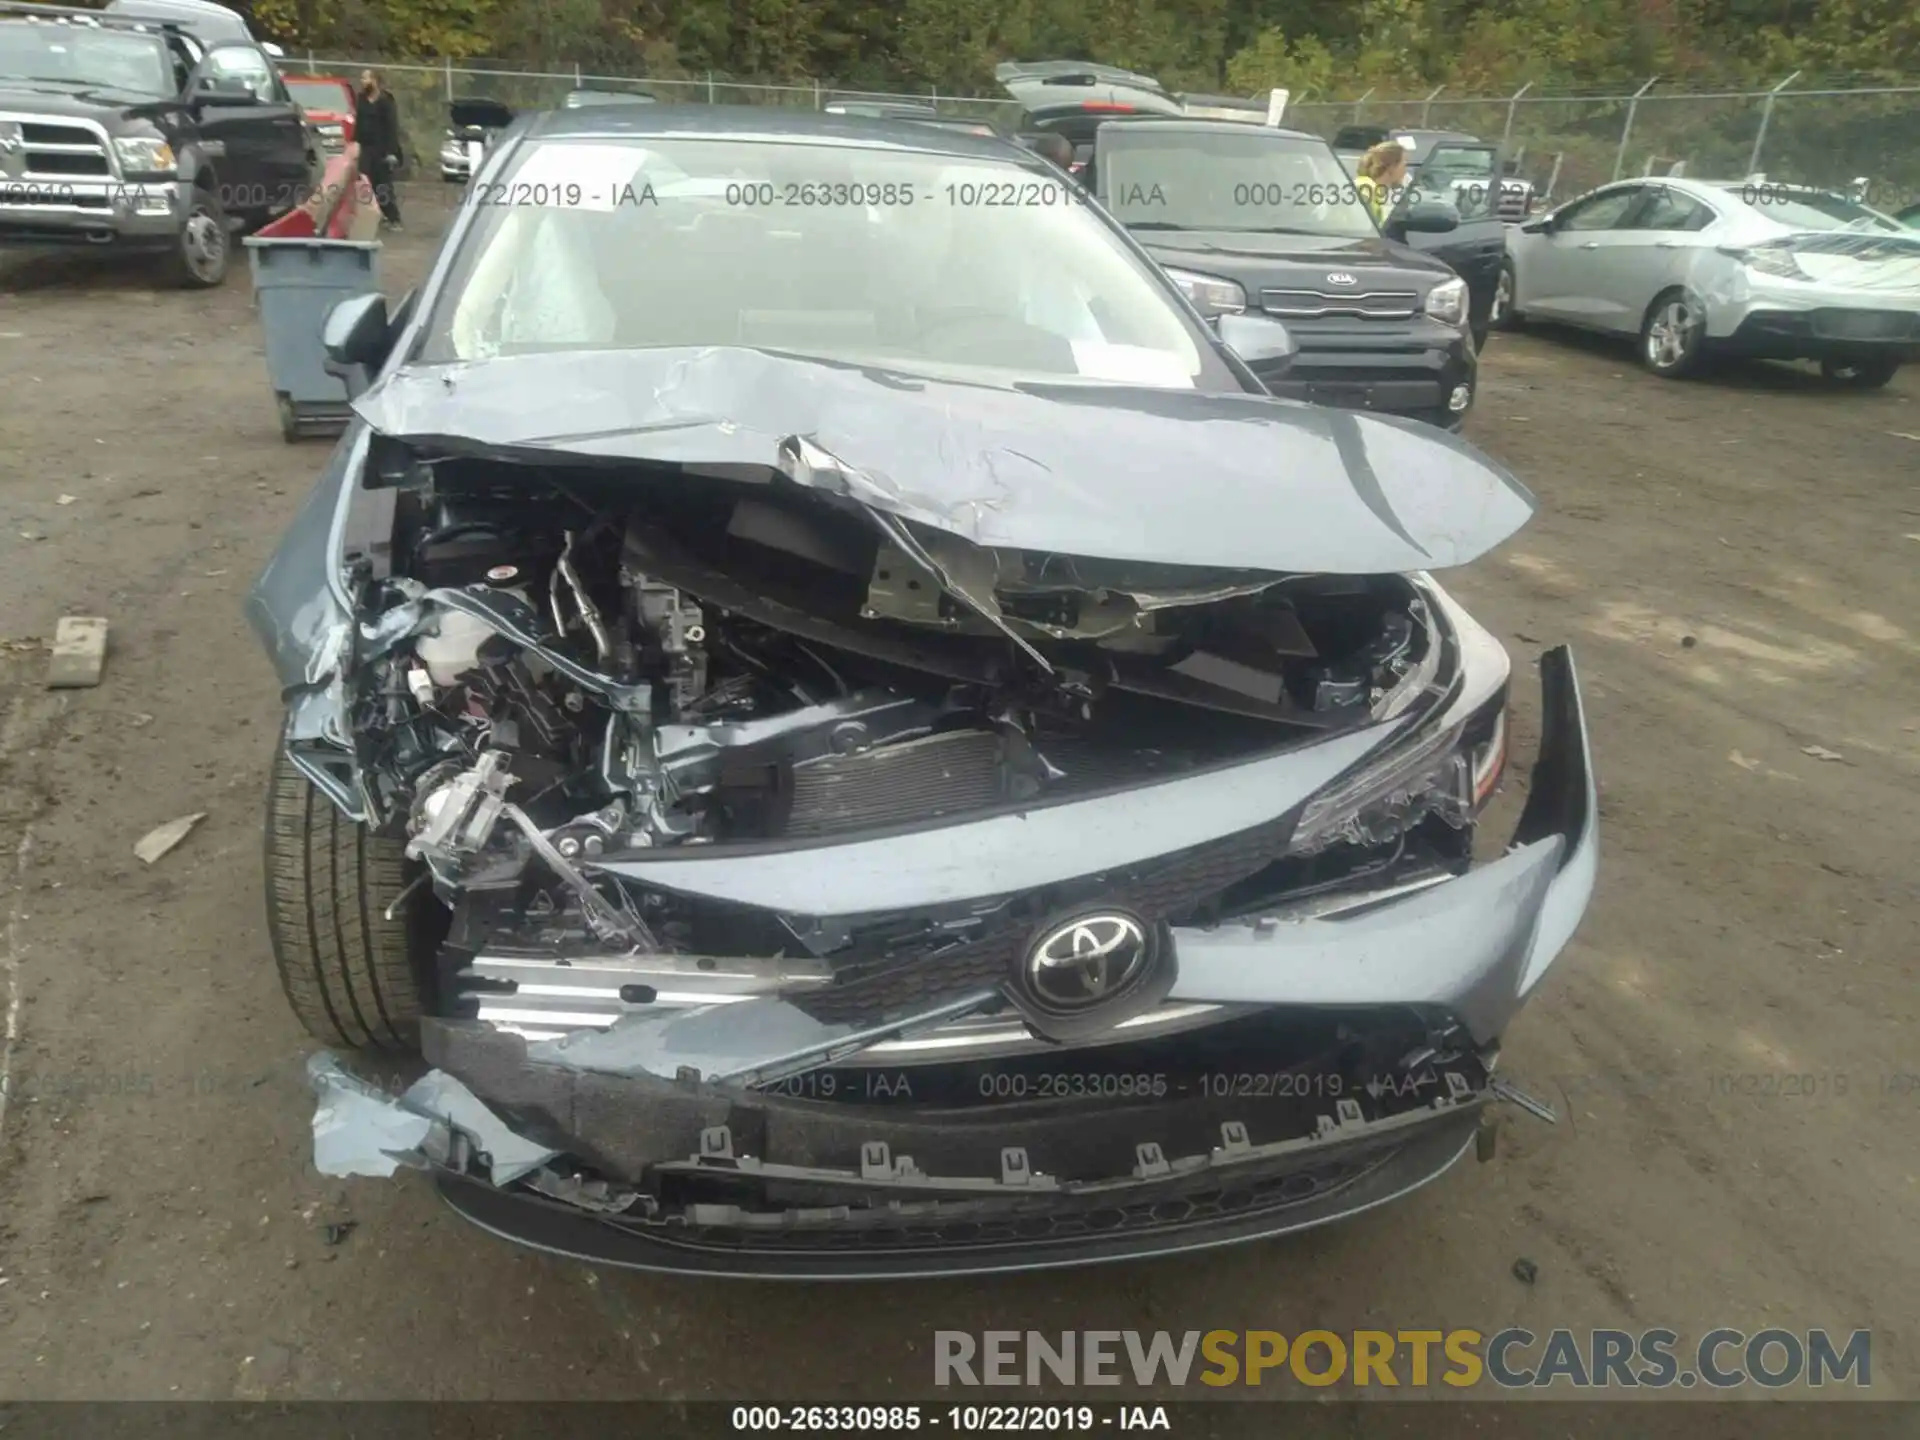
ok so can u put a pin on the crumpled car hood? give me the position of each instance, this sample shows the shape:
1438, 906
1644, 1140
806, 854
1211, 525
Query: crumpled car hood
1116, 471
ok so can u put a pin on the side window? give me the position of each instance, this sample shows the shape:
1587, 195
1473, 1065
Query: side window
1670, 210
182, 59
1603, 212
245, 64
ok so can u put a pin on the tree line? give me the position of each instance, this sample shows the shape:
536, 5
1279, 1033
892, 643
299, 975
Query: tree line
1323, 47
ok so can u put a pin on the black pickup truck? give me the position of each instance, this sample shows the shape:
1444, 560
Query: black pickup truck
132, 135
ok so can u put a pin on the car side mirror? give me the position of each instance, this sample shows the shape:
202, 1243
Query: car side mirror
1430, 217
222, 90
1264, 344
357, 337
1543, 225
272, 49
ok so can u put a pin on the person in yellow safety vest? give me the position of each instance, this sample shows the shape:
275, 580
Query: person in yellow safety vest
1383, 170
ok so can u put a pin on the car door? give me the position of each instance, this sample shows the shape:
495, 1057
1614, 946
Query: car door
1466, 176
1665, 234
245, 111
1556, 274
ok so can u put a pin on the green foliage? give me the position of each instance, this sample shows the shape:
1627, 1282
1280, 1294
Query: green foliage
1401, 47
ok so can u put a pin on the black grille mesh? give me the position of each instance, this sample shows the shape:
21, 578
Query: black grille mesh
918, 779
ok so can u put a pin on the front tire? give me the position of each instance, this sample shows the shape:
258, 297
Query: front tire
1673, 336
354, 978
202, 247
1859, 374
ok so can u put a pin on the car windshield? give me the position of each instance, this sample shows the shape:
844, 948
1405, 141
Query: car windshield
320, 95
75, 55
1811, 209
1243, 180
867, 253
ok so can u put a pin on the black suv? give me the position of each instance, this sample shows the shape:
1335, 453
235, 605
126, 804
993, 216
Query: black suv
132, 134
1254, 218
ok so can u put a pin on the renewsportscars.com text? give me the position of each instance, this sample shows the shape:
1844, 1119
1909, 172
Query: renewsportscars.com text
1510, 1359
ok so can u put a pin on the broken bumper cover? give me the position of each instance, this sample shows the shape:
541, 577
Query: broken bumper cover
694, 1175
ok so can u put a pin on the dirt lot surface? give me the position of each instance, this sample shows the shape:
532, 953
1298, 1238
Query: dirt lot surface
1730, 1037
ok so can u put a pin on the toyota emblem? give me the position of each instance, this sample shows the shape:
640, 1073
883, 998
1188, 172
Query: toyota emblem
1088, 959
1340, 277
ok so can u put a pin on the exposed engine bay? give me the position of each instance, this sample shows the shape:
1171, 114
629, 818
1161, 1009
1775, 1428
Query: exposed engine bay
554, 669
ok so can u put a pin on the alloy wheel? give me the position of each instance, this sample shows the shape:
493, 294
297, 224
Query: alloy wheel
203, 245
1671, 335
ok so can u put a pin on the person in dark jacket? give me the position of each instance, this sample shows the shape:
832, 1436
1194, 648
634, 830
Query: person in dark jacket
376, 127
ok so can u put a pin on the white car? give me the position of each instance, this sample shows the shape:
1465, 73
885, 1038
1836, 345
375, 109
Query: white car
1695, 268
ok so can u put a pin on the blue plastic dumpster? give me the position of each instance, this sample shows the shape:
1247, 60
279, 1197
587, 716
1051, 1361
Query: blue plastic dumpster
296, 282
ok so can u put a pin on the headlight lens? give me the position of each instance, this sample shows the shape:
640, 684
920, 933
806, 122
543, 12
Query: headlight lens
1210, 294
1447, 301
148, 154
1386, 798
1451, 773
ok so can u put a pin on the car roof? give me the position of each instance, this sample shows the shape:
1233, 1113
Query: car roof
1075, 72
880, 109
1192, 124
152, 25
232, 25
587, 95
771, 123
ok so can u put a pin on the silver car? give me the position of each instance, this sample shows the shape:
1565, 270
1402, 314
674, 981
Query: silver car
761, 726
1696, 268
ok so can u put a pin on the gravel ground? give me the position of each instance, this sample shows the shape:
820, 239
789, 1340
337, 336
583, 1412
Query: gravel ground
1731, 1036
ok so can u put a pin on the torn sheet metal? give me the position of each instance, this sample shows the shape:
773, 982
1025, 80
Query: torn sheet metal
358, 1129
1122, 472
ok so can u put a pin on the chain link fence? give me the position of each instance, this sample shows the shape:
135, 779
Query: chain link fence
1566, 144
1563, 144
423, 93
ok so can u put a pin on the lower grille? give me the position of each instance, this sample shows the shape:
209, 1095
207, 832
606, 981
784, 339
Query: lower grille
1039, 1220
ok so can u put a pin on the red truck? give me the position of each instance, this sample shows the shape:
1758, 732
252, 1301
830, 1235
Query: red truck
328, 103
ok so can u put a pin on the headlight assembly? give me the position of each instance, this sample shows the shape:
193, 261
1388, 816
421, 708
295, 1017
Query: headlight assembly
1450, 773
1447, 302
144, 154
1211, 294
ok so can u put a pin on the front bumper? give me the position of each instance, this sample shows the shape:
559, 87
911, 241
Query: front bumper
1321, 1064
1419, 370
134, 214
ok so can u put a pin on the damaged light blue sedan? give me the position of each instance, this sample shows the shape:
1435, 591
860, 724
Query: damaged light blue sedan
851, 737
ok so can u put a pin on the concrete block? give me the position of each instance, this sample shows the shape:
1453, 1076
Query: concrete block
79, 653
